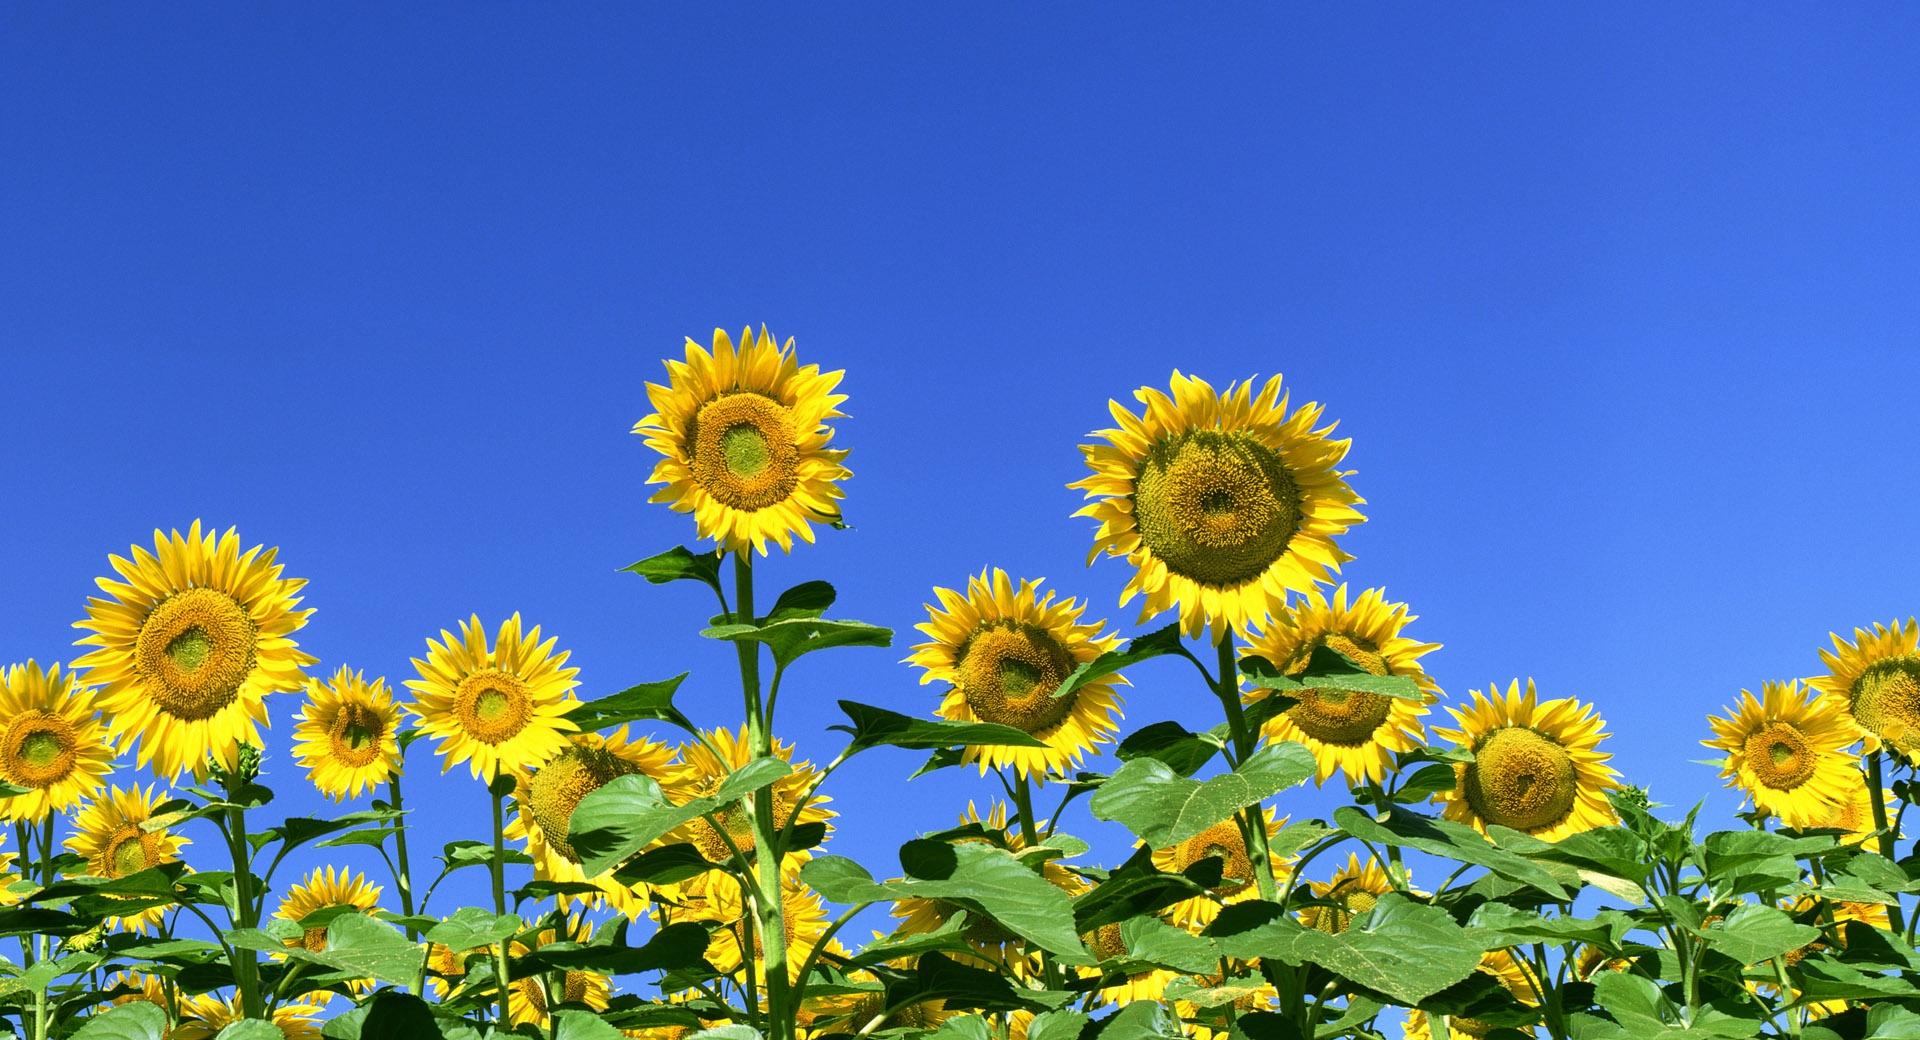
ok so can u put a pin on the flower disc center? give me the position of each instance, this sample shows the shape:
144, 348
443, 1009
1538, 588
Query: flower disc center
40, 749
1780, 756
1520, 779
196, 650
493, 706
355, 734
557, 788
1886, 701
1218, 508
1221, 841
1008, 673
742, 451
129, 851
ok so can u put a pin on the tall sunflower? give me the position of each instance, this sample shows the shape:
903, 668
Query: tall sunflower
527, 996
498, 709
326, 889
51, 742
1536, 767
347, 735
1238, 882
1854, 814
187, 644
1788, 753
1877, 681
1350, 731
140, 987
205, 1015
1005, 650
743, 436
705, 765
1222, 502
1352, 890
802, 913
545, 801
115, 835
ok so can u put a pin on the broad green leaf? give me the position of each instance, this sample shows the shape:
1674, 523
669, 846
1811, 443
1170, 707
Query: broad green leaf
1754, 933
135, 1020
1156, 942
631, 812
796, 637
1143, 1020
665, 865
396, 1016
1498, 924
1137, 887
960, 1027
809, 599
873, 727
298, 830
732, 1032
1635, 1002
1823, 978
679, 945
1000, 886
582, 1025
1194, 991
357, 945
1447, 839
1401, 948
251, 1029
1328, 668
1057, 1025
1164, 808
1181, 749
949, 937
838, 879
1158, 643
471, 926
1756, 861
646, 702
680, 564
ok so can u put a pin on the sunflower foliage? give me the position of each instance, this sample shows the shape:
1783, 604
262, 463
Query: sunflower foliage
653, 875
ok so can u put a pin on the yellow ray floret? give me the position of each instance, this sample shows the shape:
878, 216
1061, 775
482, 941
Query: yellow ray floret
347, 736
1789, 754
1352, 890
742, 433
188, 642
1222, 502
1515, 977
1352, 732
1004, 650
151, 989
113, 833
705, 765
528, 1000
1536, 767
326, 889
1877, 681
203, 1016
51, 742
501, 709
546, 799
1238, 881
803, 915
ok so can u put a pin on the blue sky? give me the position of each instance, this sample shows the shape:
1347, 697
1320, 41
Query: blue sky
1617, 307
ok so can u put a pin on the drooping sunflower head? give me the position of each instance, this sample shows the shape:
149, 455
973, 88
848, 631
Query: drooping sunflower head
204, 1016
705, 765
742, 433
114, 835
1354, 732
1238, 880
1004, 649
546, 798
1352, 890
1537, 765
530, 1001
187, 643
1877, 681
326, 889
1590, 960
1222, 502
1788, 753
347, 736
51, 741
500, 708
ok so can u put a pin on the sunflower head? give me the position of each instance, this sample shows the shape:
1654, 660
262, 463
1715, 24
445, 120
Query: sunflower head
1352, 890
530, 1000
1352, 732
1004, 649
742, 434
326, 889
803, 914
347, 736
1238, 881
705, 765
114, 835
1876, 679
1536, 766
546, 798
51, 742
186, 643
205, 1016
1788, 753
498, 708
1223, 502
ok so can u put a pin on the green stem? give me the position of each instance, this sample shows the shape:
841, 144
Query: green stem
403, 872
1252, 819
1786, 996
499, 864
42, 1012
766, 833
246, 964
1878, 799
1030, 824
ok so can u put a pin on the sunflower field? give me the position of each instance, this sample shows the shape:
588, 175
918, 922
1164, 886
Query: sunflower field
1488, 874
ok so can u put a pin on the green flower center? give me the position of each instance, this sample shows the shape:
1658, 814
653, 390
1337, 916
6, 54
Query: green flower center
1218, 508
493, 706
195, 650
1521, 779
743, 450
190, 649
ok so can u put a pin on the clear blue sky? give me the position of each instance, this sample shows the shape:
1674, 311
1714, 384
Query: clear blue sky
1618, 308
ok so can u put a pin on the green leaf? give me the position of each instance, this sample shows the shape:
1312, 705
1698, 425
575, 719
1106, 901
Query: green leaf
1000, 886
1635, 1002
809, 599
582, 1025
1328, 668
949, 937
873, 727
960, 1027
1179, 748
298, 830
631, 812
1142, 1020
666, 865
251, 1029
357, 945
1158, 643
1756, 861
136, 1020
1164, 808
1057, 1025
1401, 948
1448, 839
1156, 942
676, 946
938, 977
471, 926
793, 638
648, 702
1754, 933
396, 1016
1137, 887
680, 564
838, 879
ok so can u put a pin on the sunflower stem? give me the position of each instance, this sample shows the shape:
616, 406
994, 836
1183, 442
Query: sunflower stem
403, 871
1877, 795
1030, 824
1252, 819
42, 1013
766, 834
499, 865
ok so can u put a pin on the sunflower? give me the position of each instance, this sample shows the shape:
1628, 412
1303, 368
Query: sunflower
1218, 1022
803, 915
446, 966
527, 995
1237, 884
1004, 650
497, 709
706, 764
1354, 732
189, 644
1877, 680
1854, 814
1108, 944
1515, 977
326, 890
1590, 960
114, 835
848, 1014
140, 986
204, 1016
1788, 753
51, 743
993, 944
1223, 503
1536, 767
743, 437
347, 734
1352, 890
545, 801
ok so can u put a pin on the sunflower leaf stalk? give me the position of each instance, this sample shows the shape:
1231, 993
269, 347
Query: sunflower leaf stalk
497, 790
1251, 821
